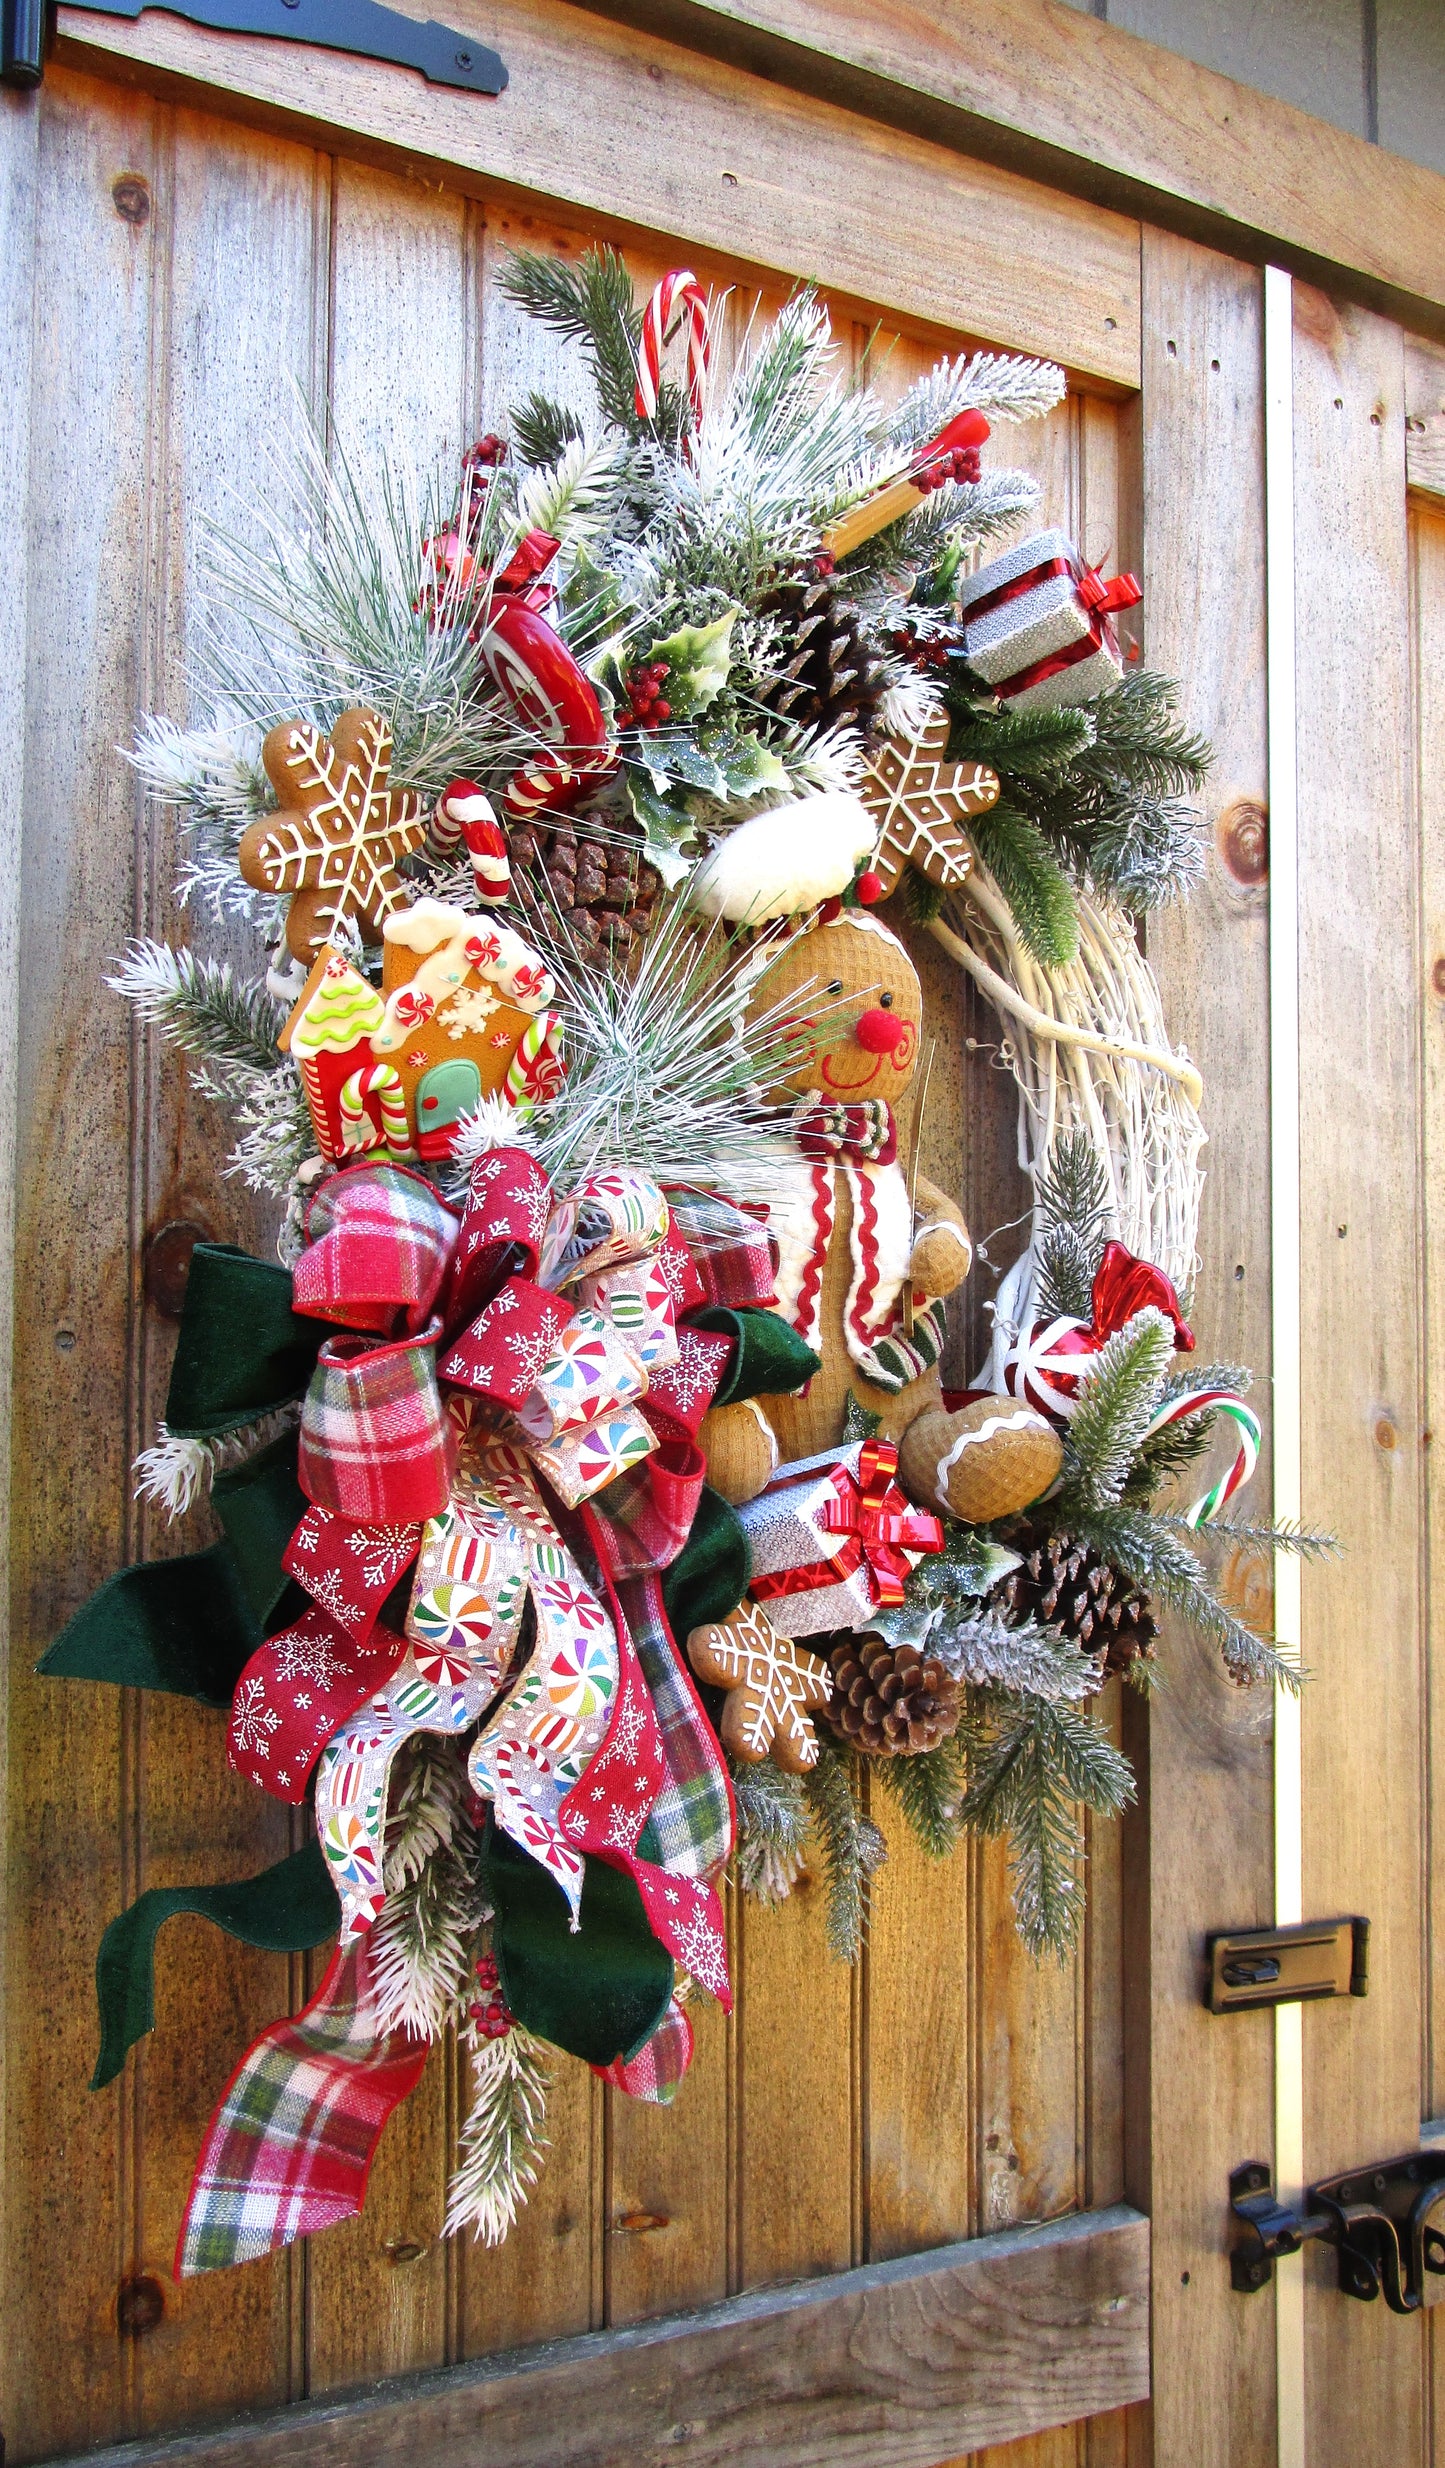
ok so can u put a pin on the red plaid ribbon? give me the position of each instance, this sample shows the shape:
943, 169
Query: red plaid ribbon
376, 1444
878, 1526
290, 2146
378, 1244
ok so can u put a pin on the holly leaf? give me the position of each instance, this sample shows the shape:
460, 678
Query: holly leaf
747, 766
686, 760
668, 829
698, 659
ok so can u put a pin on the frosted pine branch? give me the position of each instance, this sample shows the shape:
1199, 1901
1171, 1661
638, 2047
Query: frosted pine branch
1026, 1661
997, 384
233, 1024
171, 1472
423, 1947
426, 1805
772, 1831
500, 2147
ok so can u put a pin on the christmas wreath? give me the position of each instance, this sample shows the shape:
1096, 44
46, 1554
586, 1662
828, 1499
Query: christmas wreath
592, 1513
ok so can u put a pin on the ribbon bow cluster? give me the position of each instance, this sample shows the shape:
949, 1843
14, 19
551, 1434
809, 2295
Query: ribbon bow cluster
532, 1334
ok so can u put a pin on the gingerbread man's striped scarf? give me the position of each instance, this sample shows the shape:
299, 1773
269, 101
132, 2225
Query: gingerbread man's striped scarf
859, 1141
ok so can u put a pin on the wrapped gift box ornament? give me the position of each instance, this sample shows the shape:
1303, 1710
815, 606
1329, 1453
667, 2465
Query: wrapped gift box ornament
1038, 623
833, 1539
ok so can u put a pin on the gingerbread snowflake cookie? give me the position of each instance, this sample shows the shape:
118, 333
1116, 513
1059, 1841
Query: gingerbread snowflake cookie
339, 833
773, 1685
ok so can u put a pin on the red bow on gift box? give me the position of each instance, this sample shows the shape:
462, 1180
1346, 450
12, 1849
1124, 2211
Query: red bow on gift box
878, 1527
1042, 1366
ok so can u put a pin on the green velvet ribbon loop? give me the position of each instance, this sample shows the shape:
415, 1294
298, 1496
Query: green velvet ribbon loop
189, 1626
285, 1910
710, 1575
599, 1993
770, 1358
241, 1350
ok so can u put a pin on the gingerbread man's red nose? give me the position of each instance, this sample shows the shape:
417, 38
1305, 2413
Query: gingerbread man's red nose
880, 1032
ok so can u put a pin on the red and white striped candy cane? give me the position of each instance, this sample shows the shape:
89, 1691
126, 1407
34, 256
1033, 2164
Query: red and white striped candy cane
554, 781
678, 294
537, 1070
465, 816
1246, 1422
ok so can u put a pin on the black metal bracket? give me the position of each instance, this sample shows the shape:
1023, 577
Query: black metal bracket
1251, 1967
1387, 2224
362, 27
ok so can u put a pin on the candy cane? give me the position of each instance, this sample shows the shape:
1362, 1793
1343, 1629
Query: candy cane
554, 782
464, 815
1215, 1401
381, 1081
536, 1072
678, 294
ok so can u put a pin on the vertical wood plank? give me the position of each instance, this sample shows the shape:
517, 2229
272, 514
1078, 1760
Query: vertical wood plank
19, 209
1209, 1813
402, 377
1360, 1218
238, 221
1428, 595
69, 1867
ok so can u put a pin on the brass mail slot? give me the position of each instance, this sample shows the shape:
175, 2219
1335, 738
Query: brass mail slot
1284, 1966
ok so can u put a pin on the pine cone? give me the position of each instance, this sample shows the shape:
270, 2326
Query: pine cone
890, 1701
828, 672
1065, 1585
602, 887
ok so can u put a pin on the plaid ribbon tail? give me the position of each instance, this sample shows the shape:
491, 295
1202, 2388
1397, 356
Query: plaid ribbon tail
692, 1823
290, 2146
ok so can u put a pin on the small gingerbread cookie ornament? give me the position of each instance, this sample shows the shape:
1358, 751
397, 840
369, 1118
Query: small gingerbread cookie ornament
773, 1686
919, 802
338, 834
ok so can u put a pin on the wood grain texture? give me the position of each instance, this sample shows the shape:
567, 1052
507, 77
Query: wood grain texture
1427, 544
1425, 416
749, 171
1210, 1808
893, 2366
856, 2121
19, 204
1360, 1217
1057, 94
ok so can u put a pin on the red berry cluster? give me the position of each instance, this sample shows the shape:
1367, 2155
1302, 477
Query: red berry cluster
489, 2013
485, 454
644, 693
933, 651
963, 465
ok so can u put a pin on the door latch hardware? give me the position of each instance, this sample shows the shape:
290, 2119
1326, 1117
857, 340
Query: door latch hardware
1286, 1966
1387, 2224
365, 28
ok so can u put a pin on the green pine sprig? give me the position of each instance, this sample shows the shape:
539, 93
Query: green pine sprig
930, 1790
852, 1848
1032, 881
1073, 1209
231, 1023
592, 303
1039, 1760
1117, 1399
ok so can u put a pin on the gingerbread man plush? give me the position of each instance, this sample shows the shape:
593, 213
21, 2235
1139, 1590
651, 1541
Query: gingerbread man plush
864, 1265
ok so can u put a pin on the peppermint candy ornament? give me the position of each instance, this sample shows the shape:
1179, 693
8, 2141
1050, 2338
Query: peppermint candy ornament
1043, 1364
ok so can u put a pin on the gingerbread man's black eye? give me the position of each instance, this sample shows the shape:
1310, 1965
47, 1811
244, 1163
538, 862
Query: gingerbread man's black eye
837, 986
885, 1002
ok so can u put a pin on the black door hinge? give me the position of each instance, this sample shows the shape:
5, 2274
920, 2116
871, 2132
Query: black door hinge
363, 27
1386, 2223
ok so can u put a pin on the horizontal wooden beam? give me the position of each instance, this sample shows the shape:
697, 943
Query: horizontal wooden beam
1054, 93
647, 137
894, 2366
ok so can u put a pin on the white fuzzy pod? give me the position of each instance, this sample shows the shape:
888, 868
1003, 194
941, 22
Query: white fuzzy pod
783, 862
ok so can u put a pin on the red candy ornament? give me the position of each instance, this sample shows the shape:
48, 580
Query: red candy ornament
1043, 1366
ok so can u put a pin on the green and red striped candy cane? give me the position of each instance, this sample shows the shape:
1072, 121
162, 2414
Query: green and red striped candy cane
1246, 1422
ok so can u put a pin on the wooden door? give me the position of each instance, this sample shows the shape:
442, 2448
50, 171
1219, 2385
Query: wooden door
174, 268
